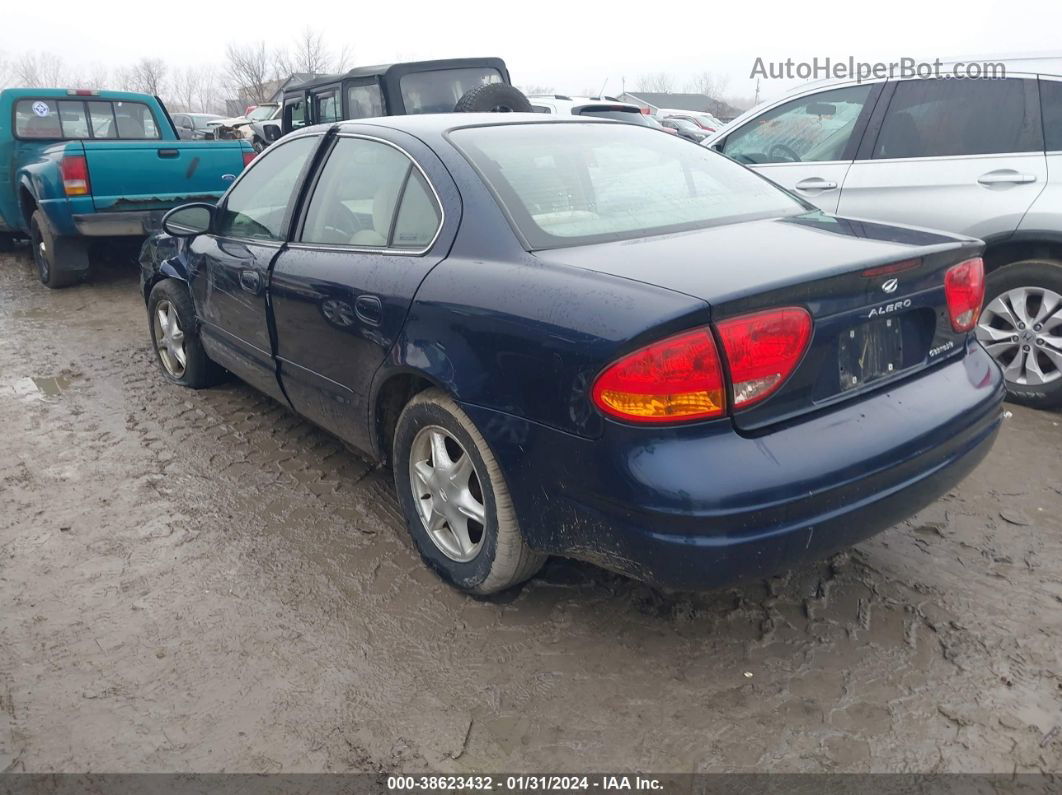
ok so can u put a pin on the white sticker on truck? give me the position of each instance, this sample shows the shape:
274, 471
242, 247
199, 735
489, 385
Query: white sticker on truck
41, 108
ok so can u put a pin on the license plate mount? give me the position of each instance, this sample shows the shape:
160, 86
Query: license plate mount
869, 352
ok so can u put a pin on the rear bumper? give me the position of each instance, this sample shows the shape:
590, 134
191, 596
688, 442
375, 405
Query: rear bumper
136, 223
704, 506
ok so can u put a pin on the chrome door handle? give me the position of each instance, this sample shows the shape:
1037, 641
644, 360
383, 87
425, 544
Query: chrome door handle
1006, 177
815, 183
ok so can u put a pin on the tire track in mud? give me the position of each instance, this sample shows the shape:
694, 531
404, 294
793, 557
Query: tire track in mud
236, 591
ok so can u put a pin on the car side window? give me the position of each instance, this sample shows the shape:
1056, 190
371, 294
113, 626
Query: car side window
364, 102
1051, 101
327, 107
370, 195
258, 204
811, 129
941, 118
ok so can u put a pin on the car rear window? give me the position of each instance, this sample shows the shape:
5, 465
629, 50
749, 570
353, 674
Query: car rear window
73, 118
438, 91
571, 184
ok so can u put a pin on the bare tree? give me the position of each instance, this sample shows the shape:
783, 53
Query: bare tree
38, 70
532, 90
312, 55
658, 82
708, 84
146, 76
96, 76
251, 67
5, 71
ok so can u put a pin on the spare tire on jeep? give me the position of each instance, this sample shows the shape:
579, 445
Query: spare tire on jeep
493, 98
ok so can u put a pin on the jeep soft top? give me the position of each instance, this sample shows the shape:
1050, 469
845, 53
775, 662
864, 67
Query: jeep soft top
400, 88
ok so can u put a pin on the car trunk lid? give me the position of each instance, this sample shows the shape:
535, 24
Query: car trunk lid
875, 294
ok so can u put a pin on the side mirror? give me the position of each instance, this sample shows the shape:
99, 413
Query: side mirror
188, 220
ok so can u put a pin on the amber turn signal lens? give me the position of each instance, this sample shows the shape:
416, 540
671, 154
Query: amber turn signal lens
678, 378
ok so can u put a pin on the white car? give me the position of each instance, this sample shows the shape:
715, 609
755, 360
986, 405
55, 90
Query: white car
981, 157
597, 107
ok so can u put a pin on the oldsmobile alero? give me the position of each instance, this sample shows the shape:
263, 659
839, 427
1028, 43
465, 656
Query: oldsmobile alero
585, 338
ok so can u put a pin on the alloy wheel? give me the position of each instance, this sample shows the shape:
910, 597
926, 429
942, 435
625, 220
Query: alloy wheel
1022, 330
448, 493
169, 339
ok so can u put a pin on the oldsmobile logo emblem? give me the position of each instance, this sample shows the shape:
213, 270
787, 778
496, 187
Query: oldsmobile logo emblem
890, 285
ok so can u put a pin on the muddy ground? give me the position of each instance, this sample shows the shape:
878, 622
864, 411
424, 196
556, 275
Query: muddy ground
202, 581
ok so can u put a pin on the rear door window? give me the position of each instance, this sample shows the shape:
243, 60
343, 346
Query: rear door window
364, 101
370, 195
811, 129
942, 118
1051, 100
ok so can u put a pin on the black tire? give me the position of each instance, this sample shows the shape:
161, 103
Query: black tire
197, 370
60, 261
1034, 276
493, 98
503, 558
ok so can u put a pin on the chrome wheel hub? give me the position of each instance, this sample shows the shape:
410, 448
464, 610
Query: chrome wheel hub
1022, 330
447, 492
169, 339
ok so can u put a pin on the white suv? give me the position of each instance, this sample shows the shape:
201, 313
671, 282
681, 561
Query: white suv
597, 107
981, 157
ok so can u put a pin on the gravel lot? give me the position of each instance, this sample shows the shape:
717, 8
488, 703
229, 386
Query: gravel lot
202, 581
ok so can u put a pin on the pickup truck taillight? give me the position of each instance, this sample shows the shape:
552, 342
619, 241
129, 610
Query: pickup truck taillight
74, 170
247, 158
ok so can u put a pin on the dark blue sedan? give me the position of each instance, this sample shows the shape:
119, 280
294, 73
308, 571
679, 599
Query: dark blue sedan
585, 338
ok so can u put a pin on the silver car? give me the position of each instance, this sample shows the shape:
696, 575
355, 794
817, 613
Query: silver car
982, 157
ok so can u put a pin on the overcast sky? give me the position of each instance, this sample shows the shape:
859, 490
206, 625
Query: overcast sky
569, 45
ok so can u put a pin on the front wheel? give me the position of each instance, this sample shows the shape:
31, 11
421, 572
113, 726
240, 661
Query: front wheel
455, 500
175, 337
1021, 327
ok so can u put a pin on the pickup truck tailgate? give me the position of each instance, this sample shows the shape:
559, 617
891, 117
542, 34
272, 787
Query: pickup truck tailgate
151, 175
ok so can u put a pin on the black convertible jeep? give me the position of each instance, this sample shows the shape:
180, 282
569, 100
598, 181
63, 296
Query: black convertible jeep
456, 84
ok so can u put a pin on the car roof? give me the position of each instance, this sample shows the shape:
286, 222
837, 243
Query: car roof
401, 67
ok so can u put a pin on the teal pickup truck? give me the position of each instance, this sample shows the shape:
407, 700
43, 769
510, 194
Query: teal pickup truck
78, 166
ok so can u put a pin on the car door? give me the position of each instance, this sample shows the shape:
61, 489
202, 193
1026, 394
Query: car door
232, 263
372, 230
960, 155
806, 144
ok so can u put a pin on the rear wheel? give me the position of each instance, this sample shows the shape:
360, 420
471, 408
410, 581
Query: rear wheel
175, 337
1021, 327
60, 261
455, 499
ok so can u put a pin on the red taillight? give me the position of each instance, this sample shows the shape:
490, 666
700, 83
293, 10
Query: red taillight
74, 171
679, 378
762, 350
964, 288
247, 158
